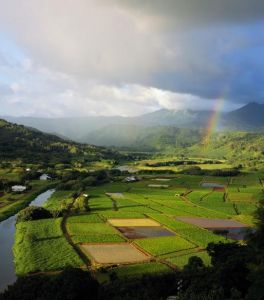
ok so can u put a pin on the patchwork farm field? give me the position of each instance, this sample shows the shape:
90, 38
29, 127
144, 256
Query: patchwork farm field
138, 227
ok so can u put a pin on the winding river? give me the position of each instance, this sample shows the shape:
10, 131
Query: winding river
7, 237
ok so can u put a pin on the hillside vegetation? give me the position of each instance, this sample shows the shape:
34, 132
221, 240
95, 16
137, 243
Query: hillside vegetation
27, 144
183, 141
159, 138
84, 129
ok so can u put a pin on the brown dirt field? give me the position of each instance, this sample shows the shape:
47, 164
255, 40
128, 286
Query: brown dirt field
212, 223
114, 253
132, 222
144, 232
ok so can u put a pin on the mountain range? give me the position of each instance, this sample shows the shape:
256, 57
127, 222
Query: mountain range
126, 131
31, 145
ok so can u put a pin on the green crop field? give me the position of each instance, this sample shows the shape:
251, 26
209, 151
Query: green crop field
140, 269
90, 228
182, 260
91, 218
96, 238
40, 246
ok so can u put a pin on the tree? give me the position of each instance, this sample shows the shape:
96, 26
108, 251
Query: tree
33, 213
70, 284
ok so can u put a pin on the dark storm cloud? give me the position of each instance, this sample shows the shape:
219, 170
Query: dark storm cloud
200, 11
129, 57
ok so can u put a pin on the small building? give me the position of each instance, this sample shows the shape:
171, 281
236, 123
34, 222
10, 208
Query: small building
28, 169
44, 177
18, 188
131, 179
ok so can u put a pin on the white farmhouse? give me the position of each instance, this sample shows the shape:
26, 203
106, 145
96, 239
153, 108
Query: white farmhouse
131, 179
44, 177
18, 188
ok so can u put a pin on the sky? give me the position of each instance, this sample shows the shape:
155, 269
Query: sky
61, 58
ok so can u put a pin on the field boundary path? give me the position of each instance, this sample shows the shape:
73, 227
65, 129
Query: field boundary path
206, 195
67, 236
261, 184
115, 207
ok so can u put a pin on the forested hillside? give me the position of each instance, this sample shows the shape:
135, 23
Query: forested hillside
159, 138
27, 144
171, 140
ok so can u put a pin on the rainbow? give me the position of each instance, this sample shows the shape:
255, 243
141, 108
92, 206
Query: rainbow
213, 120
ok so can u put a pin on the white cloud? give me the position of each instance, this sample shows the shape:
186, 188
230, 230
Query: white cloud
84, 37
110, 57
57, 95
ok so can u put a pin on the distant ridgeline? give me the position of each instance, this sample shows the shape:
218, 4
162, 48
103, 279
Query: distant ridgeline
183, 141
31, 145
85, 129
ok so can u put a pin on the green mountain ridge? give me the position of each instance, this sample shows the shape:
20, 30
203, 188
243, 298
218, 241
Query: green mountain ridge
157, 138
183, 141
248, 117
30, 144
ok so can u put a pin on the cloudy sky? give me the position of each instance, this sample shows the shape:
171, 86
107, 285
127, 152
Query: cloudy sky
128, 57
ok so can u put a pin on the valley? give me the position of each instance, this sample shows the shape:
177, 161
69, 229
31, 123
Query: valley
122, 214
146, 215
132, 150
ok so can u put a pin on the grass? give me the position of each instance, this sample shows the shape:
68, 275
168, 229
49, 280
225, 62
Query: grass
246, 219
98, 203
97, 238
139, 209
121, 215
90, 228
164, 245
182, 260
59, 199
140, 269
91, 218
40, 246
241, 197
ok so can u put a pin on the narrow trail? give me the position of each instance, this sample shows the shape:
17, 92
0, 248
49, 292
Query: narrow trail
115, 207
261, 184
184, 196
206, 195
187, 193
225, 196
67, 236
229, 181
167, 263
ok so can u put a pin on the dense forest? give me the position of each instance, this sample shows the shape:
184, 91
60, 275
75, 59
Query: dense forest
31, 145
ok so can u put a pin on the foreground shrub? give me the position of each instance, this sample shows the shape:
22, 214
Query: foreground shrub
71, 284
33, 213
